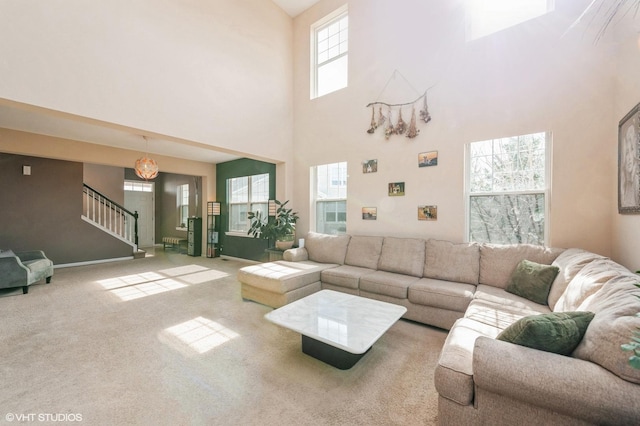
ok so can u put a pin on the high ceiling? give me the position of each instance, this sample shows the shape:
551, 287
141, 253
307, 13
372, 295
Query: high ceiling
50, 123
295, 7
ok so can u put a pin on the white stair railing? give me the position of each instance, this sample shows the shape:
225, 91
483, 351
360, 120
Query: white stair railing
110, 216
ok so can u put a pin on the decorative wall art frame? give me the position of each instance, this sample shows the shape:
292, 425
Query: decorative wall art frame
369, 213
629, 162
427, 212
370, 166
396, 189
428, 159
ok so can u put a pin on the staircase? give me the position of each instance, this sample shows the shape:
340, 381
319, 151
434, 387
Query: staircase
110, 217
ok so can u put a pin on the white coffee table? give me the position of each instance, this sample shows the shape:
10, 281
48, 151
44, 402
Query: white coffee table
337, 328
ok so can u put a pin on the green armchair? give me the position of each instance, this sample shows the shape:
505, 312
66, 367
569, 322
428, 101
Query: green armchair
22, 269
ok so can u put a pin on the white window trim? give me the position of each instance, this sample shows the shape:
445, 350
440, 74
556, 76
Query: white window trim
315, 27
546, 191
313, 190
248, 203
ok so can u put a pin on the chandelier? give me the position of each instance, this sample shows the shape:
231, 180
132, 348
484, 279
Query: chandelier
146, 168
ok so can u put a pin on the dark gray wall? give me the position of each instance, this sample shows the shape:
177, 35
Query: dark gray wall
42, 212
108, 180
243, 247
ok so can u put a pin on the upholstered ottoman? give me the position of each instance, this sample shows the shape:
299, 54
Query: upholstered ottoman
277, 283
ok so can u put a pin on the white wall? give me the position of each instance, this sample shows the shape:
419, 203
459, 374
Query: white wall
626, 228
525, 79
217, 72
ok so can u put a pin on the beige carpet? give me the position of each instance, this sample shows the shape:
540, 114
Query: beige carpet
167, 340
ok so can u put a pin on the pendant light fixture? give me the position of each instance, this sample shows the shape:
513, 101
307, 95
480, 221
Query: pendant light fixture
146, 168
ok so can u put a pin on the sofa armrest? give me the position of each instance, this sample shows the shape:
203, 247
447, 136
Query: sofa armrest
12, 272
31, 255
296, 254
567, 385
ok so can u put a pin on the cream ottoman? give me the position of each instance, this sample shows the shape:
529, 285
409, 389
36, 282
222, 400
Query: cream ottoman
277, 283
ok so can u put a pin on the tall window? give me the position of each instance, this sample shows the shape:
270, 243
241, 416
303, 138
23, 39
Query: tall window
182, 201
508, 189
484, 17
331, 198
246, 194
330, 52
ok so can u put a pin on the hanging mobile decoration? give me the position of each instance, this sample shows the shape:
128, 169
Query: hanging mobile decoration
401, 128
412, 132
374, 124
381, 117
424, 112
390, 129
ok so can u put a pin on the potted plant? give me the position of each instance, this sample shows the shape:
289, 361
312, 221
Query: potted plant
280, 228
634, 345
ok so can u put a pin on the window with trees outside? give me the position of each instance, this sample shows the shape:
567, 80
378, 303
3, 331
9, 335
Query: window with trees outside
246, 194
330, 198
330, 53
508, 189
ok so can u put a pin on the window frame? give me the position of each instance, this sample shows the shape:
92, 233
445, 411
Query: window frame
315, 28
248, 203
180, 198
315, 200
546, 191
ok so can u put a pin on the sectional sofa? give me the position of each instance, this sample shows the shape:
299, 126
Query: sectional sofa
489, 372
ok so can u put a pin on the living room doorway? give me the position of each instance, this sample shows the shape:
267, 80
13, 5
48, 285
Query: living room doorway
139, 196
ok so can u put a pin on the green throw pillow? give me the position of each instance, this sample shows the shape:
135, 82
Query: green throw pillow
532, 281
557, 332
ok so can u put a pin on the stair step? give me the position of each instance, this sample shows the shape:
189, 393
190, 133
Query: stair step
140, 254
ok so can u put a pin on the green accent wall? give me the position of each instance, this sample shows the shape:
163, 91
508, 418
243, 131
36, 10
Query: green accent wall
242, 247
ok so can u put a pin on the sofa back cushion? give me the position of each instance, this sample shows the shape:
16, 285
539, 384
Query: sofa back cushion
452, 262
402, 256
364, 251
616, 307
570, 262
324, 248
497, 261
587, 282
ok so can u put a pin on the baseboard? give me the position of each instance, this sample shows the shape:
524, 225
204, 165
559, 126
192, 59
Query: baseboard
92, 262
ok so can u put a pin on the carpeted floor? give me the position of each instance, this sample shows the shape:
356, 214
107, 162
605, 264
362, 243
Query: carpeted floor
167, 340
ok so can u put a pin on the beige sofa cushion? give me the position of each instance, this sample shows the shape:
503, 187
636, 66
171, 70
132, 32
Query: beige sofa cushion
387, 284
570, 262
364, 251
497, 261
452, 262
403, 256
615, 306
441, 294
501, 315
587, 282
281, 276
454, 372
346, 276
324, 248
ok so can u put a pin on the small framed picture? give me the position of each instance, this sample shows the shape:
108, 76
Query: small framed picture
629, 162
369, 213
427, 212
396, 189
428, 159
370, 166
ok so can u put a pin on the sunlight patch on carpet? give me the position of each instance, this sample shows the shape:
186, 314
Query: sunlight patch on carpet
200, 334
128, 280
135, 286
183, 270
147, 289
